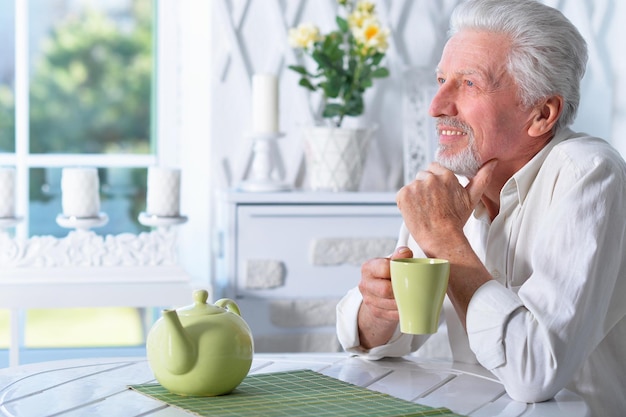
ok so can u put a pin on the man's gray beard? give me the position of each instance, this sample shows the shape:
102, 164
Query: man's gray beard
466, 162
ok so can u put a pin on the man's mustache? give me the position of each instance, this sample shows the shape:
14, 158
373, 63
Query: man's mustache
448, 121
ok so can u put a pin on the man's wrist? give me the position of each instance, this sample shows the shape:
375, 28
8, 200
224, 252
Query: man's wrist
372, 331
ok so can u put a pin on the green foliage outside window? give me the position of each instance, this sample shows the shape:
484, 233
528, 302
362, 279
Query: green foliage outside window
90, 87
90, 91
7, 123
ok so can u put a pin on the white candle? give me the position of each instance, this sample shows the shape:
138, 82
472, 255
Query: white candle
264, 103
80, 190
163, 197
7, 192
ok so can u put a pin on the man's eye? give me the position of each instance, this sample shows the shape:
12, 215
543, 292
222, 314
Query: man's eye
469, 83
441, 80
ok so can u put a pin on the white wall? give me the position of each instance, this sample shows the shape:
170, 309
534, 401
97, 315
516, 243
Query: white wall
615, 33
224, 42
247, 41
185, 121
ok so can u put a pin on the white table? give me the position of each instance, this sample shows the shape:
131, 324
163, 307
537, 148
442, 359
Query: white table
97, 387
21, 289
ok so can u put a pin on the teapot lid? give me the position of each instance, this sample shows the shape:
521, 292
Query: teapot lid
200, 306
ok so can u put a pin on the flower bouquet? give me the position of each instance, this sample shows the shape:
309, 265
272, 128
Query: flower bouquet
348, 59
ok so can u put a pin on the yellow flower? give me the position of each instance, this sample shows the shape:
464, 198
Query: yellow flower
347, 59
363, 12
356, 19
304, 36
370, 36
365, 7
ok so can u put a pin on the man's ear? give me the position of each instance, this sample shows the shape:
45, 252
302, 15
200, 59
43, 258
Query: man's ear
546, 114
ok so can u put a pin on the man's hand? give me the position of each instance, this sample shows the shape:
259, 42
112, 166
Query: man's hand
435, 207
378, 315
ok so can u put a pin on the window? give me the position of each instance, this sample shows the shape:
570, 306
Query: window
78, 92
7, 77
180, 95
77, 88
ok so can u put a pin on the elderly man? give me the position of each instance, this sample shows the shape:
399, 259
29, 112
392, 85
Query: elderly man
536, 236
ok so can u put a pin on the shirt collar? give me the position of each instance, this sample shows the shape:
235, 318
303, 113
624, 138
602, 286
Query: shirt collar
523, 179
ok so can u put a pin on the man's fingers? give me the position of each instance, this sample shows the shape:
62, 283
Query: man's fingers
477, 185
402, 252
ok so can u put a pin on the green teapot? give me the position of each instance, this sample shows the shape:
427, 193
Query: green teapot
201, 349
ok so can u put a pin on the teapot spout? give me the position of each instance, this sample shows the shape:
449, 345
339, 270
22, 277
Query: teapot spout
181, 352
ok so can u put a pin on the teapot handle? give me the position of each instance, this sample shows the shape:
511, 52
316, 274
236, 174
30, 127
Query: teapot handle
229, 305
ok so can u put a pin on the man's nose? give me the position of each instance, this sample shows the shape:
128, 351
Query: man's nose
443, 103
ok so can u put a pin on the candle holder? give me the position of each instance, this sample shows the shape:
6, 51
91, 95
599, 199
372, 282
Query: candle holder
265, 170
153, 220
8, 222
82, 223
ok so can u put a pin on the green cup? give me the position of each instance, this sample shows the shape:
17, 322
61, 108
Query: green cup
419, 287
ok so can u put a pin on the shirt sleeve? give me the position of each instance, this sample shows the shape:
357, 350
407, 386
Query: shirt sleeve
558, 303
488, 313
348, 334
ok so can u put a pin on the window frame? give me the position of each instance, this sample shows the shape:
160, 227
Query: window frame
23, 160
170, 122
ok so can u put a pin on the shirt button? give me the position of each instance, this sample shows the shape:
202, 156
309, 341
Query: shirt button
496, 274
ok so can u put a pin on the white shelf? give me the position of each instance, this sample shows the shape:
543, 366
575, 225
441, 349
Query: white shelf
310, 197
90, 287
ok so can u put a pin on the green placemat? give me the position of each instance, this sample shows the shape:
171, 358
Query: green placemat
294, 393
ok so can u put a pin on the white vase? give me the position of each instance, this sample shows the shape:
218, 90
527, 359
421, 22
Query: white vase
335, 157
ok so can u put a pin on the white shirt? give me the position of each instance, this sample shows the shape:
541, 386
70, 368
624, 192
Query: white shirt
554, 314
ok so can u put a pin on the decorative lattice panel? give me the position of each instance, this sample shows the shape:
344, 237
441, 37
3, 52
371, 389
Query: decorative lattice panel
250, 37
